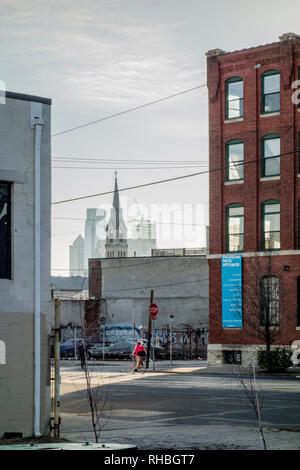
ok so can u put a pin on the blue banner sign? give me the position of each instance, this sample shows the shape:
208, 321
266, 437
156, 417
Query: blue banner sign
232, 291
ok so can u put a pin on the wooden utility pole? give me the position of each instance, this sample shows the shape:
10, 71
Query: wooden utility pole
149, 331
57, 369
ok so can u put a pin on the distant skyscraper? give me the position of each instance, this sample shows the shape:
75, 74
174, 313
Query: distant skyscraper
112, 239
91, 246
141, 237
95, 235
76, 257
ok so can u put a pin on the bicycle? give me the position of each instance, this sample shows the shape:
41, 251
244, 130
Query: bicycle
142, 368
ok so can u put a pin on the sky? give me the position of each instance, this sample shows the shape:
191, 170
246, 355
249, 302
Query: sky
96, 58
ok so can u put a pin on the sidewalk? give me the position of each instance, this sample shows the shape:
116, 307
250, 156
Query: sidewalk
189, 367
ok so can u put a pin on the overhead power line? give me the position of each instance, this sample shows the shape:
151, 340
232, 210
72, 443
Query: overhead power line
150, 260
175, 178
97, 220
127, 168
128, 110
130, 187
125, 161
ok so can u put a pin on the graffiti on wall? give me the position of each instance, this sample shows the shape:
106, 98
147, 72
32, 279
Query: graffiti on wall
70, 331
186, 343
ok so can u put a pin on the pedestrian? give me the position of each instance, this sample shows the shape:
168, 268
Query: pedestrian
139, 353
82, 354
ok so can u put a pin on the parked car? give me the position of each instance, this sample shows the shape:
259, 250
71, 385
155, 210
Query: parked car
67, 348
122, 349
96, 352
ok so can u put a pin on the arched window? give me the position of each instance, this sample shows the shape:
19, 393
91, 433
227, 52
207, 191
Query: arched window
270, 149
234, 160
234, 98
271, 225
269, 301
234, 228
270, 91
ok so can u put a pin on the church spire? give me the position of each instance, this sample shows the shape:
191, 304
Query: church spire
116, 201
116, 239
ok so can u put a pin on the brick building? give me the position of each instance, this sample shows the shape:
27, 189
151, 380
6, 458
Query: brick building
254, 133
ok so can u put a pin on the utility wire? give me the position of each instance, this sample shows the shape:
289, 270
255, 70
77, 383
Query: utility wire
128, 222
123, 161
126, 189
157, 286
161, 260
128, 110
127, 168
175, 178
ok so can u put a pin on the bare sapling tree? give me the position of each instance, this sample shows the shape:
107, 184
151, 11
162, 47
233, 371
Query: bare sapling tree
261, 319
252, 391
96, 390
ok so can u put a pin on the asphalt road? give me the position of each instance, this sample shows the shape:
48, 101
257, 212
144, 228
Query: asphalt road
180, 410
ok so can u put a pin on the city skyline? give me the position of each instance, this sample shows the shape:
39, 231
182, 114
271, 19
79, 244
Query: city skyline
101, 60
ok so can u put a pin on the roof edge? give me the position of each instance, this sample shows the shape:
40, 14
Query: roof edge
24, 97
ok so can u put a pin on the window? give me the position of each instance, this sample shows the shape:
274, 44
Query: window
232, 357
5, 232
299, 224
298, 300
298, 91
299, 152
234, 160
271, 225
234, 98
270, 165
269, 301
270, 92
235, 228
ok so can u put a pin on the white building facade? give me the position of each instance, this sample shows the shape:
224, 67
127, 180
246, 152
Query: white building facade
25, 294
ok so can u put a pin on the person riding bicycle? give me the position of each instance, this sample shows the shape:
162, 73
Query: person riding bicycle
139, 353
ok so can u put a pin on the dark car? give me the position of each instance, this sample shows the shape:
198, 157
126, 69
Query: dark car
67, 348
124, 348
96, 352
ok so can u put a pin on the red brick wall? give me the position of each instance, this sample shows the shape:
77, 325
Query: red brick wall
285, 57
95, 278
287, 300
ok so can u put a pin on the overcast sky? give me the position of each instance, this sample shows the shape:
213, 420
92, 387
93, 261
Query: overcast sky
94, 58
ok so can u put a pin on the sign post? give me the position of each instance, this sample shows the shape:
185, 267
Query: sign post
171, 319
153, 311
149, 331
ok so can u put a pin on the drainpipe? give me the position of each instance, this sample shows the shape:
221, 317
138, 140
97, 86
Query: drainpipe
36, 124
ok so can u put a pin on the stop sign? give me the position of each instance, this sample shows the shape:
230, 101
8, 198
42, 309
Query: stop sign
153, 310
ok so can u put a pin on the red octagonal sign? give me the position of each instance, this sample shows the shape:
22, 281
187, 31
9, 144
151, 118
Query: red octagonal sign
153, 310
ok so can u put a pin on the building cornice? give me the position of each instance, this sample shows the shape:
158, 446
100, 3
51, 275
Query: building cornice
256, 253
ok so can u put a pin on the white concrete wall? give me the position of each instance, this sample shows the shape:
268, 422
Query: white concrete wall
180, 287
17, 294
72, 312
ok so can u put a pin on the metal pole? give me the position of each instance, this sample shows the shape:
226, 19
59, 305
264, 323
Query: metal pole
133, 329
36, 123
149, 331
153, 352
103, 343
170, 344
57, 370
75, 349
